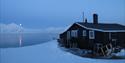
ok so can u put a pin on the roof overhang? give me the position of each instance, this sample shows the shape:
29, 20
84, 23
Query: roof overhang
100, 29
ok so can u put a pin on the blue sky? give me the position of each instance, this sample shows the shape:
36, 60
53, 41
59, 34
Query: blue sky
59, 13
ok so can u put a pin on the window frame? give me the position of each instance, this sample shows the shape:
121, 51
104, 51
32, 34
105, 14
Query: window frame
84, 33
74, 33
68, 34
91, 34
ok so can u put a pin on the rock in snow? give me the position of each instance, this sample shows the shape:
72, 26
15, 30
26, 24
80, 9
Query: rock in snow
46, 53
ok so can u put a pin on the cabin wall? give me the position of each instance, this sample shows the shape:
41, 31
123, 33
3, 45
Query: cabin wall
121, 39
103, 37
80, 40
99, 36
84, 42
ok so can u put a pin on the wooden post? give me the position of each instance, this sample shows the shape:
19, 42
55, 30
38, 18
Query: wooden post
67, 42
102, 52
73, 45
111, 46
107, 47
107, 51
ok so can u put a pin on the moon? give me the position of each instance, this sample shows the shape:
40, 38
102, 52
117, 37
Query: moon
20, 24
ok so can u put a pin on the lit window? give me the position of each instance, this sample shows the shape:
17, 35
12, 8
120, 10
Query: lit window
91, 35
74, 33
84, 32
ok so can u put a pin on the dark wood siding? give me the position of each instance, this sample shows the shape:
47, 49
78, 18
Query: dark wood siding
84, 42
121, 39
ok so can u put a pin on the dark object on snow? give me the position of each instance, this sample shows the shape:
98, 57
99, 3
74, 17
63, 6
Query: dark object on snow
102, 38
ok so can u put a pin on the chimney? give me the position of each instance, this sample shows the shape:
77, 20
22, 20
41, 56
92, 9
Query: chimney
86, 20
95, 19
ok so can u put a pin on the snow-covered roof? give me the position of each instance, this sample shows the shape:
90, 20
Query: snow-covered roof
104, 27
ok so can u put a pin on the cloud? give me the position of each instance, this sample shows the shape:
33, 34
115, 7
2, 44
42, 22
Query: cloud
14, 28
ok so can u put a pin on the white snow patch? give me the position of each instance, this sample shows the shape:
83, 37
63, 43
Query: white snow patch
121, 53
45, 53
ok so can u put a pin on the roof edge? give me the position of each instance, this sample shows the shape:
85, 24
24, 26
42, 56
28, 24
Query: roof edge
100, 29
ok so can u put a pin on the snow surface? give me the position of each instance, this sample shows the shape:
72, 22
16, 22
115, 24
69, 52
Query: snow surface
46, 53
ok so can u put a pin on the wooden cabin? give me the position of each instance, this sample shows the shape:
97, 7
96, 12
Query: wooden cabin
89, 36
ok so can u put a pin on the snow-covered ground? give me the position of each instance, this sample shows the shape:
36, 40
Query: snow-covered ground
46, 53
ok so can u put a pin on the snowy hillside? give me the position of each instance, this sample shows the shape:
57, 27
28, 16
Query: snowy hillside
46, 53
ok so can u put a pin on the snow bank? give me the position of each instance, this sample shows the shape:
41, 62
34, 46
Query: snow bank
46, 53
121, 53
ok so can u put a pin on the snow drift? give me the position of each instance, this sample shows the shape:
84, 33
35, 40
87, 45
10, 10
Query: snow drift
46, 53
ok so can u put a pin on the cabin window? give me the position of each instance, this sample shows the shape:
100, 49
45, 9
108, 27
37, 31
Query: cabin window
84, 33
91, 35
74, 33
68, 34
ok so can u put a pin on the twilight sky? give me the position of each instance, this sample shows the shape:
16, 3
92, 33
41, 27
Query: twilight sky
59, 13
